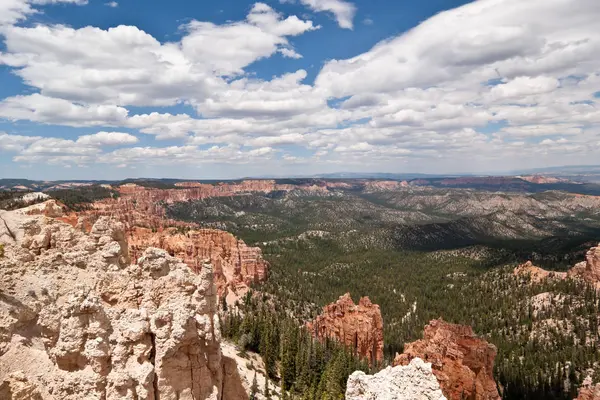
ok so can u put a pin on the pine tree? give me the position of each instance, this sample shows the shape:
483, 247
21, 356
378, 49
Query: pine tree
267, 391
254, 388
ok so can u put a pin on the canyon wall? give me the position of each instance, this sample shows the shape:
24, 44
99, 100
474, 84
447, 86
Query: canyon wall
78, 321
236, 266
462, 362
359, 327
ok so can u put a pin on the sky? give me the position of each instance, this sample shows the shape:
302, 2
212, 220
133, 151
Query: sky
96, 89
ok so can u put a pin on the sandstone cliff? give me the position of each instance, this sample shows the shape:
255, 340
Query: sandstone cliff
236, 266
414, 381
462, 362
359, 327
78, 321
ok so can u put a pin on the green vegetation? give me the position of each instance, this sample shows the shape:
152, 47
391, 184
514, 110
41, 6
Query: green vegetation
1, 250
80, 198
305, 368
425, 254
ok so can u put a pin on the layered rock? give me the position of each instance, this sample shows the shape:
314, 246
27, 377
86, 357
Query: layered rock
462, 362
413, 381
78, 321
588, 270
236, 266
359, 327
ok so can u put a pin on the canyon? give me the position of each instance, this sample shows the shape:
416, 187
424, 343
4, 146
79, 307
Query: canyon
358, 326
462, 363
78, 320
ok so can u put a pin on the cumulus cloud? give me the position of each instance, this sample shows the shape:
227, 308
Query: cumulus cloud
12, 11
107, 139
480, 84
343, 11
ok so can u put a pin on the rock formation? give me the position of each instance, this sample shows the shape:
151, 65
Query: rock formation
588, 270
236, 266
414, 381
589, 391
462, 362
537, 274
78, 321
359, 327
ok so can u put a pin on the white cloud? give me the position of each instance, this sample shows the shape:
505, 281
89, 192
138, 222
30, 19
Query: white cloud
423, 98
12, 11
227, 49
524, 86
343, 11
39, 108
112, 4
15, 143
289, 53
107, 138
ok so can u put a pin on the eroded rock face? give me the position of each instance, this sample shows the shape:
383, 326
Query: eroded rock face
589, 270
236, 266
359, 327
78, 321
462, 362
410, 382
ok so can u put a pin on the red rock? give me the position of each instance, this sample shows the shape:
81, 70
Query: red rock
589, 392
588, 270
357, 326
235, 265
462, 362
537, 274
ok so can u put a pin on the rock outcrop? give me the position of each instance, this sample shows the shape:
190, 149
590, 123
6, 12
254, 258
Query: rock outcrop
462, 362
589, 392
588, 270
79, 321
359, 327
236, 266
414, 381
537, 274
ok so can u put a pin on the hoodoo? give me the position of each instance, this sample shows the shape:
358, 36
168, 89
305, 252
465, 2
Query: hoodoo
357, 326
462, 362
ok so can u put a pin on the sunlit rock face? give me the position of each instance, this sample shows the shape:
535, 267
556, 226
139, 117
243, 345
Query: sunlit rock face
462, 362
78, 320
413, 381
358, 326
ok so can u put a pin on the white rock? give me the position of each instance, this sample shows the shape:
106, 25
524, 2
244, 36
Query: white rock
411, 382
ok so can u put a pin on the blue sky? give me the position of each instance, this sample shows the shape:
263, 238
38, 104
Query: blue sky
227, 89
